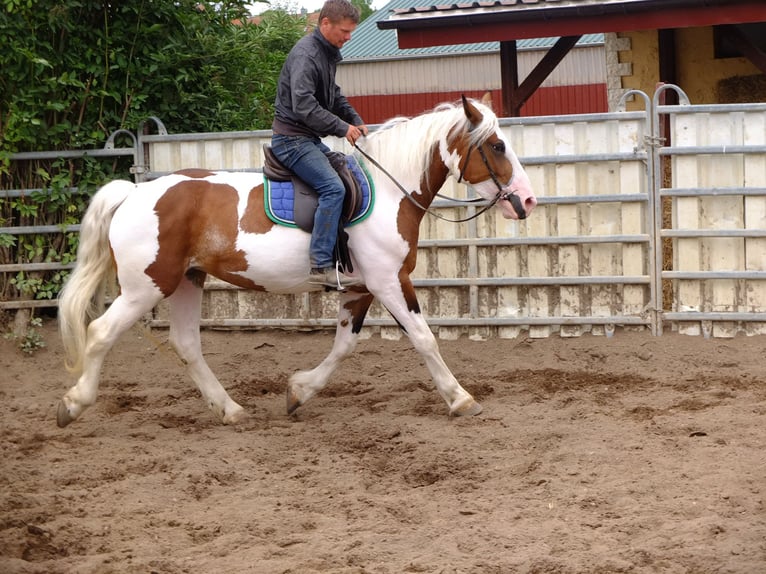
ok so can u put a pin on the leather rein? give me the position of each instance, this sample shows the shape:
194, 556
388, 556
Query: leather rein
510, 196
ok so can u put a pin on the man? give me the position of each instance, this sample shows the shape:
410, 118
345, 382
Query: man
310, 106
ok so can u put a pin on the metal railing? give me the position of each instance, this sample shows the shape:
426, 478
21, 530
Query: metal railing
650, 152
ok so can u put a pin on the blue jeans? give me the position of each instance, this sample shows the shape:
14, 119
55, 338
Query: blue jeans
305, 156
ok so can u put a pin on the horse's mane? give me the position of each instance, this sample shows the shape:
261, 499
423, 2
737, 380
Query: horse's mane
407, 143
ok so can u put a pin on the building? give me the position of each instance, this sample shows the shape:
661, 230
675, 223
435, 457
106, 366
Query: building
714, 50
382, 80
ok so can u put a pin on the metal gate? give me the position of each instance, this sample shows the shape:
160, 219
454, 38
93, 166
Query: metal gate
580, 263
7, 268
716, 232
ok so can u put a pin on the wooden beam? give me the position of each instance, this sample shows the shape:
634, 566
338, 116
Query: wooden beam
509, 78
515, 95
744, 45
446, 29
545, 66
666, 41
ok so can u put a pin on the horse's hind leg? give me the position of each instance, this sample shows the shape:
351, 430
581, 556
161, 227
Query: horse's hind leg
103, 332
305, 384
185, 310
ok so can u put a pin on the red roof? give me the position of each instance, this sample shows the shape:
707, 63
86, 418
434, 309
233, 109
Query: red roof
500, 20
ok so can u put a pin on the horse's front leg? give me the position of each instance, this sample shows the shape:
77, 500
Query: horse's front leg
352, 309
406, 310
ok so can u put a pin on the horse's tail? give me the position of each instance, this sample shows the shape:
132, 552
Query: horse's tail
82, 298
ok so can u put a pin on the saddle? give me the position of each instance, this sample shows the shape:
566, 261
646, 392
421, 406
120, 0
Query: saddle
306, 198
291, 201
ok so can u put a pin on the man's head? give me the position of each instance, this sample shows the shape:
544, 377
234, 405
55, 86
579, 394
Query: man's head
337, 20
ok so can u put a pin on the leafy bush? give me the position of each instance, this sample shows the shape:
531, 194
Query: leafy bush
75, 71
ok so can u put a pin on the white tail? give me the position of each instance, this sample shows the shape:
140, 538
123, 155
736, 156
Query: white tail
82, 298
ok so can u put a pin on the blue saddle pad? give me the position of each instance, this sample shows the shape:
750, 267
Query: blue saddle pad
279, 196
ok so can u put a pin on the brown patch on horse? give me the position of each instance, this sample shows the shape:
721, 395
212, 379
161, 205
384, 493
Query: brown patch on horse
195, 173
476, 171
408, 290
358, 310
408, 224
472, 112
197, 230
255, 220
410, 215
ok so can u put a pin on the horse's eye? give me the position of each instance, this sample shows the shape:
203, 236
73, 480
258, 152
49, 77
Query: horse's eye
498, 147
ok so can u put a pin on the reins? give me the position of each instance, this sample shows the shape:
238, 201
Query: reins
409, 196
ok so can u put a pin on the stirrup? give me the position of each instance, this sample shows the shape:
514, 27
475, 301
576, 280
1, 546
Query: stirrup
333, 279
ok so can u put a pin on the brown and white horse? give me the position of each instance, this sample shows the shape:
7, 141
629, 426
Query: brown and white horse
165, 236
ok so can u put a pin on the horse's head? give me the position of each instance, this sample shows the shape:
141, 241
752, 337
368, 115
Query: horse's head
486, 162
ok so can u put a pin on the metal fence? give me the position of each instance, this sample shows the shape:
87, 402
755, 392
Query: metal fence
717, 230
110, 150
651, 219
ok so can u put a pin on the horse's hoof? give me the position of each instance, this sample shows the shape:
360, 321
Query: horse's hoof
238, 415
63, 418
466, 409
293, 401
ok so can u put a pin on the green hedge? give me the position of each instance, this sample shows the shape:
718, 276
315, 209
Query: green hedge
75, 71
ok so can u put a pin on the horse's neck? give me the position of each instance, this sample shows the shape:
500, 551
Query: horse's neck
419, 172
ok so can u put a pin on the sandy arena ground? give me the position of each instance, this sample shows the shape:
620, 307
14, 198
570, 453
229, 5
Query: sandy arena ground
629, 454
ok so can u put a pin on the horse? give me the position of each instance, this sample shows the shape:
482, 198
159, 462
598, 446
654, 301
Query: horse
160, 239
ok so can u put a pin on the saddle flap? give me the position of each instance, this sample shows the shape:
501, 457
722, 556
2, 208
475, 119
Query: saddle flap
306, 202
353, 196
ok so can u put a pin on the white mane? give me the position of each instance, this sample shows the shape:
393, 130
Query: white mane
405, 145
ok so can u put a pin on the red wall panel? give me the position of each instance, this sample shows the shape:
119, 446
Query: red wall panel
559, 100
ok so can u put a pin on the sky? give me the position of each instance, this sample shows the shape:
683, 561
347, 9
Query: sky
296, 5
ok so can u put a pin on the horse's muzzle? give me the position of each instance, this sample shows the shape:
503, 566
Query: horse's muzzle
516, 203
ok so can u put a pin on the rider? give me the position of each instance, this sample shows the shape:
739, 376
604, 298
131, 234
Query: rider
308, 107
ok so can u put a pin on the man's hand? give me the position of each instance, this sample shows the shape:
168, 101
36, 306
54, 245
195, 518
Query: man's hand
355, 132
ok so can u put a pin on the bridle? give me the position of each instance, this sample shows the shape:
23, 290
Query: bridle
509, 195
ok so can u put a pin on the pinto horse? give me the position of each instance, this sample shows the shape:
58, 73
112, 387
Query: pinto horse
163, 237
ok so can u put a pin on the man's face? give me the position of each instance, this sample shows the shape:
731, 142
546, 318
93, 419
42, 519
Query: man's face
337, 34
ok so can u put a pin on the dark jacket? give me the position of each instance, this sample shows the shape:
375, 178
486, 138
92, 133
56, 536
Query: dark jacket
308, 99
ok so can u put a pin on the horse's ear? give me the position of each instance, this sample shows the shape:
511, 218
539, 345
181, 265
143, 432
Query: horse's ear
474, 115
486, 99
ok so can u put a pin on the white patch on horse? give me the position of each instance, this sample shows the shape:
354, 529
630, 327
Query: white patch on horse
278, 259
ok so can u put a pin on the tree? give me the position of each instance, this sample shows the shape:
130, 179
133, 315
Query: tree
365, 8
75, 71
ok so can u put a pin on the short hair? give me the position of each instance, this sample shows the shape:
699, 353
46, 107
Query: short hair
337, 10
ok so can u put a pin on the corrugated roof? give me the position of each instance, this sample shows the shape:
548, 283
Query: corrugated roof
525, 5
368, 42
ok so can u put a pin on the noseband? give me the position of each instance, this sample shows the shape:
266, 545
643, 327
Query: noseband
509, 196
